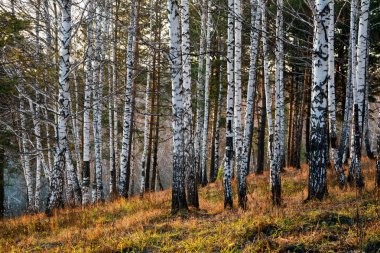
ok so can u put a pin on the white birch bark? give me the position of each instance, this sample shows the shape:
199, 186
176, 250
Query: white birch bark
25, 158
230, 109
268, 99
331, 82
200, 91
255, 23
237, 93
279, 137
98, 67
55, 199
87, 109
178, 191
190, 169
318, 130
147, 111
123, 186
360, 87
207, 98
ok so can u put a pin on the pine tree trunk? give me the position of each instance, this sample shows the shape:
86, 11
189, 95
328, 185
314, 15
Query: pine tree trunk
55, 198
317, 187
230, 109
178, 190
125, 151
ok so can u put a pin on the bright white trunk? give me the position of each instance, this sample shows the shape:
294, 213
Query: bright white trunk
128, 104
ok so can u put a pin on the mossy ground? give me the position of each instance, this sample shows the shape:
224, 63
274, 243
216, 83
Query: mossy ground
345, 221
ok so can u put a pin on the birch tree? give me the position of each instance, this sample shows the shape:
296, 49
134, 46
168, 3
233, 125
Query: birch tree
360, 88
331, 82
200, 91
228, 167
279, 138
147, 112
190, 166
178, 190
125, 150
55, 198
207, 98
255, 23
317, 187
87, 108
237, 91
345, 133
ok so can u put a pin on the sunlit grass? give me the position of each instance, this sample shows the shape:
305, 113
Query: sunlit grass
345, 220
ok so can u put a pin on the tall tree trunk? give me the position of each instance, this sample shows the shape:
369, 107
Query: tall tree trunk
25, 157
230, 109
127, 134
268, 103
215, 158
200, 92
317, 187
144, 169
367, 132
178, 191
279, 140
359, 90
190, 169
249, 114
206, 98
98, 94
261, 138
237, 93
331, 82
55, 198
87, 108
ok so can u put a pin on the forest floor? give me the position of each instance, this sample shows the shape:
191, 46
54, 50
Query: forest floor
345, 221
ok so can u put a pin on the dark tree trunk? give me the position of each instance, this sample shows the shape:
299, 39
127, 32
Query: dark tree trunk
2, 192
261, 139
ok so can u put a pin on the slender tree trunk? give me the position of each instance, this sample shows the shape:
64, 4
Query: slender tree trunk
249, 114
279, 137
2, 182
178, 191
261, 139
317, 187
367, 132
55, 198
127, 134
144, 169
200, 92
215, 168
190, 169
267, 89
230, 109
86, 109
25, 157
207, 98
237, 93
331, 82
360, 88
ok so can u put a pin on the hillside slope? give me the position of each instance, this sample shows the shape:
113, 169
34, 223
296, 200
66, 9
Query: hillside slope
345, 221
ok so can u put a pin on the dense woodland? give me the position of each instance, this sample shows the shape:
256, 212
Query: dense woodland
108, 98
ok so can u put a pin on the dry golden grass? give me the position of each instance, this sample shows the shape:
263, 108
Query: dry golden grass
345, 221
